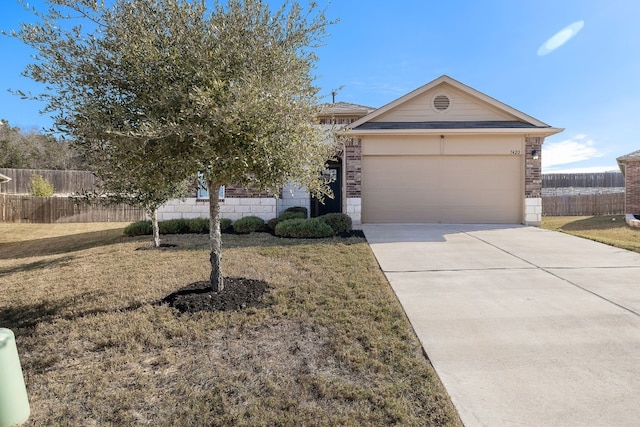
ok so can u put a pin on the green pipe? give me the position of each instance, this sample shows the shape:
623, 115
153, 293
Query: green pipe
14, 403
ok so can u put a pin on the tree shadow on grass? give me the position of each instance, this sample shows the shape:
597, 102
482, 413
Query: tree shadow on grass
24, 317
605, 222
37, 265
59, 244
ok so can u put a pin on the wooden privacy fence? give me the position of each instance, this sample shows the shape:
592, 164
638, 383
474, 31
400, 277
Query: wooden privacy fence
15, 208
592, 204
565, 180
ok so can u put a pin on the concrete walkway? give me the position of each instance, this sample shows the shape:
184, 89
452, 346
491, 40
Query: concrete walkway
525, 327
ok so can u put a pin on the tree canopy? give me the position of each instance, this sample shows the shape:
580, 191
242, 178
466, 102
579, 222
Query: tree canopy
30, 149
172, 88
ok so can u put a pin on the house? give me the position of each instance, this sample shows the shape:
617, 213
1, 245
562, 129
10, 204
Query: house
446, 153
443, 153
630, 167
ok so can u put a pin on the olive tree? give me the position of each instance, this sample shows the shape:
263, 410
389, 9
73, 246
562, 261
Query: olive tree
226, 90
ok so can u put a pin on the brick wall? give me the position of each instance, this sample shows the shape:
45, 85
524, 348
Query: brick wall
632, 184
353, 166
533, 167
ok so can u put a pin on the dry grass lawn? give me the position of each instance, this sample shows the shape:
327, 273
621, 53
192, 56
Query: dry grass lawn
332, 348
609, 229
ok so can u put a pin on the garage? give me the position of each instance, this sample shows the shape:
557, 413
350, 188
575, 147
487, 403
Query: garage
442, 189
445, 153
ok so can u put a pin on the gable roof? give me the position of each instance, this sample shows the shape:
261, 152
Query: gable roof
502, 118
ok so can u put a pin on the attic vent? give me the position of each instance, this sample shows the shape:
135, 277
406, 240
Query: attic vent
441, 103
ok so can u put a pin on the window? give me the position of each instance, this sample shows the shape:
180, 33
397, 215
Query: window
203, 191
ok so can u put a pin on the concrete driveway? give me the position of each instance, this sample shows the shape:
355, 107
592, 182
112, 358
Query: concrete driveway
525, 327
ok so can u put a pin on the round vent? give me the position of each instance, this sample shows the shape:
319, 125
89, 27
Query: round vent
441, 103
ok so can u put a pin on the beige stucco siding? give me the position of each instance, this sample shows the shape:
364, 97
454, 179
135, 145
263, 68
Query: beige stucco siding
446, 145
442, 189
463, 108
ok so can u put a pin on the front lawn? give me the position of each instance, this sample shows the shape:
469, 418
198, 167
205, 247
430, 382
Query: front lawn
331, 347
609, 229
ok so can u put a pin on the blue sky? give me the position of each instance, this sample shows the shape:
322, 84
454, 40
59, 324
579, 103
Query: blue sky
379, 51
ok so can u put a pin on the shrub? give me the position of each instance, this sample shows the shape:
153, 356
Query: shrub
138, 228
173, 226
198, 225
339, 222
298, 209
248, 224
303, 228
272, 223
292, 215
225, 225
287, 215
40, 187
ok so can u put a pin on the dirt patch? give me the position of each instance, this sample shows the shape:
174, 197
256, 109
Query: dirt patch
238, 294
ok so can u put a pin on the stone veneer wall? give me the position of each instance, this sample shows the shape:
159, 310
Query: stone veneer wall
293, 195
533, 181
233, 208
632, 187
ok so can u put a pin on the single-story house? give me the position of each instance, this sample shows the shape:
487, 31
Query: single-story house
630, 167
443, 153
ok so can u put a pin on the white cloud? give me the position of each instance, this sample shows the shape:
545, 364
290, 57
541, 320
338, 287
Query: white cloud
577, 149
560, 38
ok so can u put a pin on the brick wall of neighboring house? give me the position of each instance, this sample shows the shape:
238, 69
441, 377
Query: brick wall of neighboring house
632, 184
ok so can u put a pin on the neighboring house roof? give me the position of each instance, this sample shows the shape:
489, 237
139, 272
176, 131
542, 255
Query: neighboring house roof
344, 108
631, 156
622, 160
4, 178
412, 113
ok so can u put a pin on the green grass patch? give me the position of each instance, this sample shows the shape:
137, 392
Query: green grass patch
333, 347
609, 229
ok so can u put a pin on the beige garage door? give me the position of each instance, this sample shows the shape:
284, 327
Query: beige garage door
432, 189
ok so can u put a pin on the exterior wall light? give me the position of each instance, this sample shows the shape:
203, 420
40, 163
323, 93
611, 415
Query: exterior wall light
535, 155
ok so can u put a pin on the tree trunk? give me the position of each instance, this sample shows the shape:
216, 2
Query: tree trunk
156, 227
215, 237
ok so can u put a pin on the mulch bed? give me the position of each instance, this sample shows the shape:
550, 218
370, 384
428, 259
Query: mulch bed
238, 294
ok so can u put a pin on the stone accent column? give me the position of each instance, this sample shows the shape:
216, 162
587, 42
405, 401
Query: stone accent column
533, 181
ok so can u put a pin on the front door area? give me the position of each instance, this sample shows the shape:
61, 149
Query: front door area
333, 174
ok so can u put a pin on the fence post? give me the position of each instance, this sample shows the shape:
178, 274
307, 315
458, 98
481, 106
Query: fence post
14, 403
